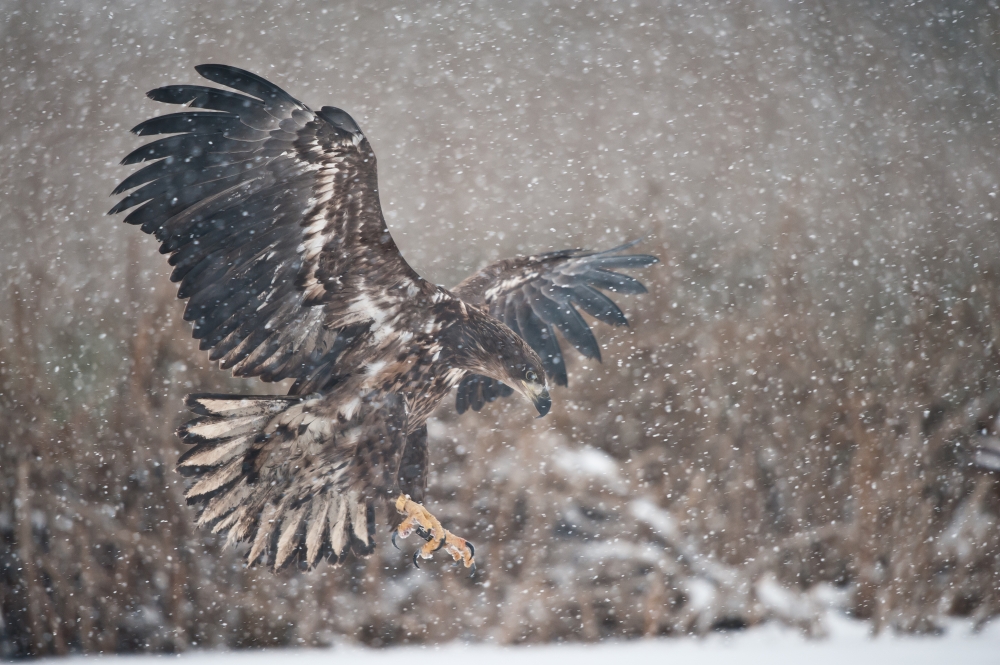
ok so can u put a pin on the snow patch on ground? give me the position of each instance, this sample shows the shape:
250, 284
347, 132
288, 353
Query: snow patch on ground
848, 643
590, 464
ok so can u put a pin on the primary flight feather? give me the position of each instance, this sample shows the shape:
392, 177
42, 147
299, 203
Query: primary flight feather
270, 214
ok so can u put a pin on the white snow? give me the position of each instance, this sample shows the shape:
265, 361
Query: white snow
590, 464
848, 644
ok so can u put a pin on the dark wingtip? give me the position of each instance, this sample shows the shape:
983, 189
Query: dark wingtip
627, 245
245, 81
118, 207
649, 259
121, 188
208, 69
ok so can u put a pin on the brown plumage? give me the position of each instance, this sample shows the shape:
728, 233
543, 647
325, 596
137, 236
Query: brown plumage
271, 217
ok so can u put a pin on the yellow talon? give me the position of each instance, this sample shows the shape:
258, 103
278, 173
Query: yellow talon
418, 518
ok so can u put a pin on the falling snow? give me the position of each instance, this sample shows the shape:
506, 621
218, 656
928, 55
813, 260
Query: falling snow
801, 422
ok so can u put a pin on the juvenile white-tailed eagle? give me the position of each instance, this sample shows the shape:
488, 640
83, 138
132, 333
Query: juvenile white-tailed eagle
270, 214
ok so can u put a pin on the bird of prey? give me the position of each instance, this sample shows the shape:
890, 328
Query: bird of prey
269, 212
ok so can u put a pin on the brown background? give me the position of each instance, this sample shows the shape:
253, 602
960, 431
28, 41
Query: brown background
789, 424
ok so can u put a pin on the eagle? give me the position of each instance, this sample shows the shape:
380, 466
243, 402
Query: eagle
269, 212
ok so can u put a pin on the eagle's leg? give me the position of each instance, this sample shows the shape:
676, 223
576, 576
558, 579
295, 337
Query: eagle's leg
417, 518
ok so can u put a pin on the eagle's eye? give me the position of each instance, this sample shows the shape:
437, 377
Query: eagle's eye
531, 376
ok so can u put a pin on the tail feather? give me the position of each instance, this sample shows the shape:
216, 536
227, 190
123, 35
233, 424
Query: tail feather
284, 517
288, 540
262, 533
216, 479
316, 528
214, 453
338, 519
210, 404
214, 429
226, 507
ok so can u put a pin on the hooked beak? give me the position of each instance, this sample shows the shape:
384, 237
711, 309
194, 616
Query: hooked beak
539, 396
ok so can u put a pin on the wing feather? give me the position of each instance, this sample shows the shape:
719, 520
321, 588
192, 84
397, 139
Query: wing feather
540, 336
251, 112
270, 214
534, 295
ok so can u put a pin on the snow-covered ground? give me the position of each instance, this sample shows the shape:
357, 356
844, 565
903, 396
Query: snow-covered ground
848, 644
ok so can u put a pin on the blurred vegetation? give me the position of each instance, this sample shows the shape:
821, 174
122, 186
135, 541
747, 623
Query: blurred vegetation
789, 425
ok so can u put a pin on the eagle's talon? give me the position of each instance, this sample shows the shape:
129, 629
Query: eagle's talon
418, 519
394, 534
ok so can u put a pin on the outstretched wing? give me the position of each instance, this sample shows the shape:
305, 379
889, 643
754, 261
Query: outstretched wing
534, 295
270, 213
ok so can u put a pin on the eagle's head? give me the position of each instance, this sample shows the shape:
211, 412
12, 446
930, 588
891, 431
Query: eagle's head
516, 364
526, 376
500, 353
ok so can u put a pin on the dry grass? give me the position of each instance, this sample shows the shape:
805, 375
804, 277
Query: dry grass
809, 448
796, 404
